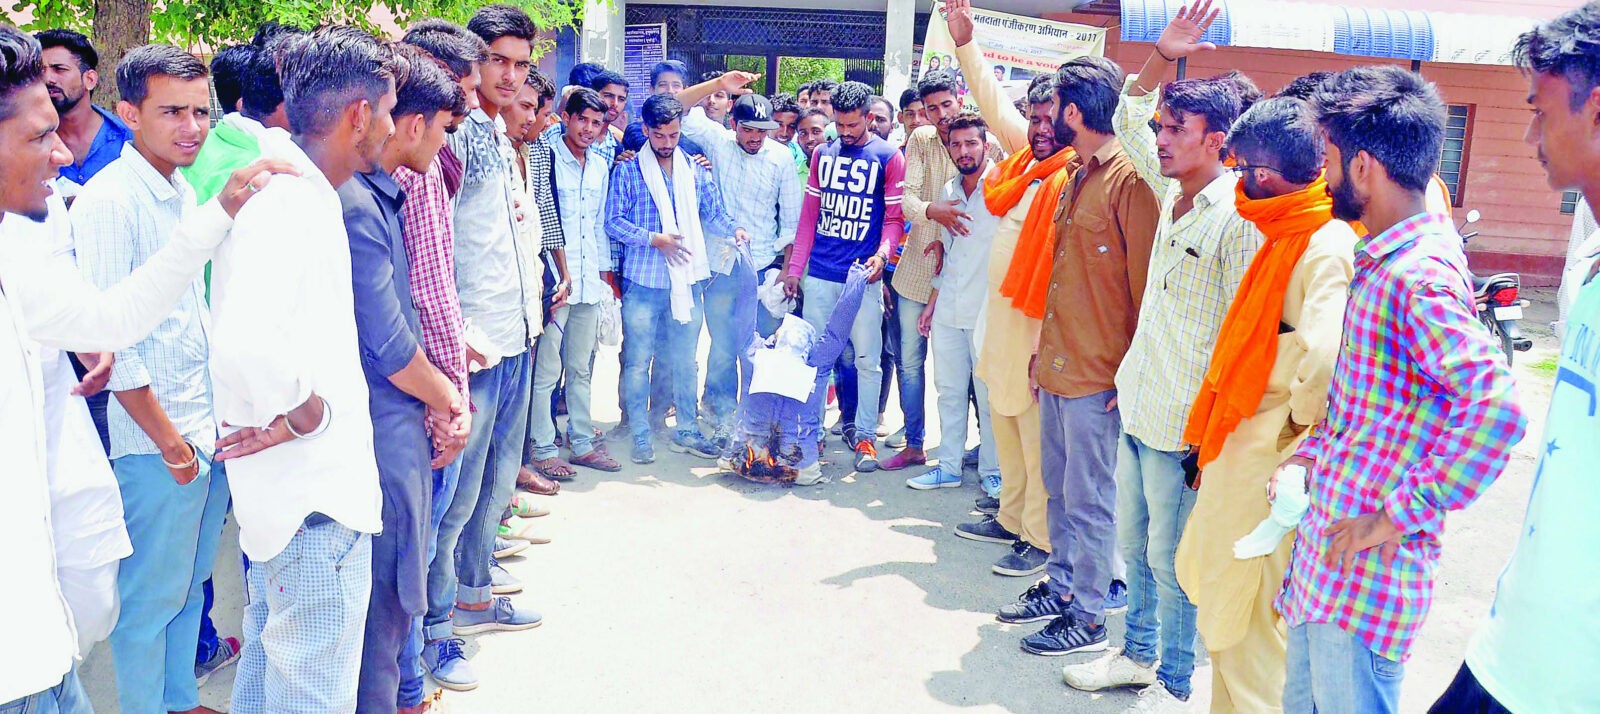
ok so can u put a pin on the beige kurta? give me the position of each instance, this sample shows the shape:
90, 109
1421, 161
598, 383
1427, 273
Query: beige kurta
1232, 497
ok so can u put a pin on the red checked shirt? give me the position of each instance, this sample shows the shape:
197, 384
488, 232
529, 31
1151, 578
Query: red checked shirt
430, 245
1423, 415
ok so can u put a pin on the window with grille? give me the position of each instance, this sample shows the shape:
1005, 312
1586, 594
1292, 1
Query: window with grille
1569, 202
1457, 145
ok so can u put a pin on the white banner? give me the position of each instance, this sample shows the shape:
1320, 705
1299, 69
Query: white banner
1017, 48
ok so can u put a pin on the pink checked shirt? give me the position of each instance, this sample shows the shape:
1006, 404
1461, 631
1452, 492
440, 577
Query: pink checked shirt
430, 245
1422, 417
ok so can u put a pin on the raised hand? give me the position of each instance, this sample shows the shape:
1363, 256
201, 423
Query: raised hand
736, 82
958, 15
1182, 36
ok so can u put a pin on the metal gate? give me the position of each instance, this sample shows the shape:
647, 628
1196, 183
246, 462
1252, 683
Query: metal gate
795, 46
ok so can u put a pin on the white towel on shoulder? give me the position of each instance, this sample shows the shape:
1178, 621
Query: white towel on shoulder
685, 223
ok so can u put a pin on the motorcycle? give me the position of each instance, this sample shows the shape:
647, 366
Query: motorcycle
1498, 303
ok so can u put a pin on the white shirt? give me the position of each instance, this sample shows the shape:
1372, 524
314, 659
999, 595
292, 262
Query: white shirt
963, 281
761, 192
581, 192
57, 513
283, 327
490, 261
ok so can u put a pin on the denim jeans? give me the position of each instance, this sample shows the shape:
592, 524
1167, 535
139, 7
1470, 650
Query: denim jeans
866, 340
489, 465
568, 344
175, 532
1329, 671
954, 354
646, 314
727, 367
913, 359
1153, 504
412, 686
67, 697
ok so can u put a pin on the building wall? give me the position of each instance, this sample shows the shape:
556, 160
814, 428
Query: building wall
1522, 228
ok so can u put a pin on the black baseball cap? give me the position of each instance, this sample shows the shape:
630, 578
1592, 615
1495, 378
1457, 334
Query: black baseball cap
754, 111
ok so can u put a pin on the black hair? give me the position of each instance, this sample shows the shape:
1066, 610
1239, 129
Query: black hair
1216, 100
877, 99
660, 110
802, 89
452, 44
606, 78
582, 74
324, 72
1392, 114
824, 85
1284, 132
666, 66
1093, 84
1042, 88
939, 80
807, 114
269, 31
492, 22
1568, 47
260, 91
909, 97
784, 102
227, 71
968, 119
543, 85
426, 87
713, 74
850, 97
142, 63
21, 66
1244, 87
74, 42
583, 99
1303, 86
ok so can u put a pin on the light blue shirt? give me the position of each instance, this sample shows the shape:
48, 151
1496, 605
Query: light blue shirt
761, 192
126, 213
489, 276
581, 191
963, 281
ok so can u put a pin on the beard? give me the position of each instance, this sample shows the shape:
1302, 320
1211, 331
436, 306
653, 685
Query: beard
663, 153
1065, 135
968, 169
65, 103
1346, 205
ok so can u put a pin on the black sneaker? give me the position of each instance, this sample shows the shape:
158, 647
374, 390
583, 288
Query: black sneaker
1022, 561
1065, 635
1038, 603
987, 506
987, 530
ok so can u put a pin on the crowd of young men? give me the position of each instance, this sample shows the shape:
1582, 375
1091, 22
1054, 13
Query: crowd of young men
1177, 307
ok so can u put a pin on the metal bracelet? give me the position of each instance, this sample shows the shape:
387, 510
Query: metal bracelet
194, 459
327, 417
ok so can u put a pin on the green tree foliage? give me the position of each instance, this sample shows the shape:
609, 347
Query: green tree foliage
795, 71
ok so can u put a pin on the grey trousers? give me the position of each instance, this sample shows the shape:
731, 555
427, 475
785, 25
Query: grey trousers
1078, 441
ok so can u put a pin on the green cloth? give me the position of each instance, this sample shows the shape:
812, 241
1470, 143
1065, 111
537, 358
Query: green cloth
226, 150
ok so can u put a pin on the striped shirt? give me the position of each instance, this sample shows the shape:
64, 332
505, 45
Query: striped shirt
1195, 269
1422, 417
431, 247
124, 215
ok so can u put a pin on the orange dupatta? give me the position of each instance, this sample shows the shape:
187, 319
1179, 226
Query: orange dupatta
1247, 345
1027, 280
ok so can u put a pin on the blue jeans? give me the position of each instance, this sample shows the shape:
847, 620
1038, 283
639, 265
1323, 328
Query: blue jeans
412, 687
1153, 504
175, 531
567, 345
727, 367
67, 697
1329, 671
913, 358
646, 315
489, 465
865, 350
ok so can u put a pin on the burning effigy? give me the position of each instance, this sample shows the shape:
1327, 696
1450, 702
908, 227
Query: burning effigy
778, 435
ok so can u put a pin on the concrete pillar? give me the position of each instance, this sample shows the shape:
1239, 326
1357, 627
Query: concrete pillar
603, 32
898, 37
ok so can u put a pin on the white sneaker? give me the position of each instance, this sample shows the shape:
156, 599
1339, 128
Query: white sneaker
1115, 670
809, 475
1155, 699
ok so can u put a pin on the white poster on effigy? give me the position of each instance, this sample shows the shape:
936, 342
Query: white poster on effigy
1017, 48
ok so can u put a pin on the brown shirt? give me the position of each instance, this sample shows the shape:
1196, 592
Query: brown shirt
1105, 231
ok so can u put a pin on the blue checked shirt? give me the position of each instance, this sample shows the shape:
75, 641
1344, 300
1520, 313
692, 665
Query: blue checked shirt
124, 215
762, 191
631, 218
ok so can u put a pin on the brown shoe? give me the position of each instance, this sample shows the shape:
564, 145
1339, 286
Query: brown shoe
535, 483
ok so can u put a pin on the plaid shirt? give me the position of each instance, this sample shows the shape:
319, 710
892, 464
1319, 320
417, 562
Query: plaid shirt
541, 181
429, 234
1423, 417
1195, 269
631, 217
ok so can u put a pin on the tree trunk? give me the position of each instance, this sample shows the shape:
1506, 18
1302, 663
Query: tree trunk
119, 26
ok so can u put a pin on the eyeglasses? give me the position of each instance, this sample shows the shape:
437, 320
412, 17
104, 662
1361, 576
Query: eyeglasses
1242, 169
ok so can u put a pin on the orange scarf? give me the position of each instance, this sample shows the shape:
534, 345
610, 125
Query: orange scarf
1027, 280
1247, 345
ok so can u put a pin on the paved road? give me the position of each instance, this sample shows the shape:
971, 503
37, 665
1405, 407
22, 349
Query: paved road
671, 588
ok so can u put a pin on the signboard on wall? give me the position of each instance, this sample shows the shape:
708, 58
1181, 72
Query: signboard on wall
643, 47
1017, 48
